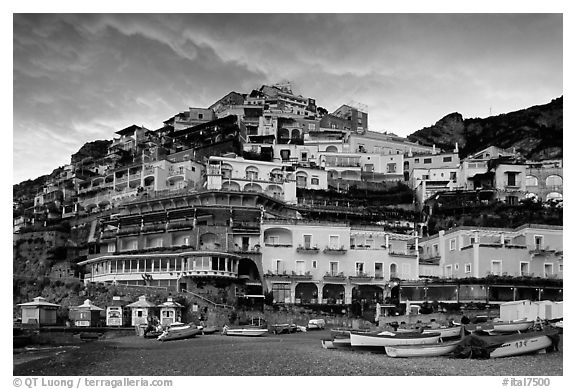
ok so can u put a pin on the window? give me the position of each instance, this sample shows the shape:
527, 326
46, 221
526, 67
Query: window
314, 264
560, 268
472, 240
496, 268
311, 126
511, 178
447, 159
452, 244
139, 313
524, 268
285, 155
334, 242
333, 268
511, 200
427, 160
359, 268
468, 268
453, 176
391, 168
456, 266
538, 241
417, 160
111, 247
435, 249
304, 156
251, 173
449, 271
393, 270
200, 116
307, 241
315, 181
279, 266
300, 267
548, 270
273, 240
378, 270
531, 181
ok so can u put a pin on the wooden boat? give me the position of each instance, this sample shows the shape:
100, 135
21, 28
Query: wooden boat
284, 328
243, 331
209, 330
512, 326
484, 344
422, 350
328, 344
446, 332
387, 338
180, 332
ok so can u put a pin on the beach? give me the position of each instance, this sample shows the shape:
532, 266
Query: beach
298, 354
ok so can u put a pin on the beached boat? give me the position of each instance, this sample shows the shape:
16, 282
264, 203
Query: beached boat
482, 344
284, 328
387, 338
446, 332
209, 330
180, 332
243, 331
328, 344
316, 324
422, 350
512, 326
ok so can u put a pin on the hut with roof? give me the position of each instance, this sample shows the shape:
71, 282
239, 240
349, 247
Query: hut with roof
39, 312
170, 311
117, 315
86, 314
142, 309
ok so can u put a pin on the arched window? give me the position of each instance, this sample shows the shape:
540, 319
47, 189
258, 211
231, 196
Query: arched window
393, 270
226, 170
554, 180
531, 181
332, 149
252, 173
301, 179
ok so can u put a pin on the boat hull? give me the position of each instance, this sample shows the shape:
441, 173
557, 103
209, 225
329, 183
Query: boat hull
396, 339
449, 332
431, 350
328, 344
512, 326
245, 331
522, 346
176, 334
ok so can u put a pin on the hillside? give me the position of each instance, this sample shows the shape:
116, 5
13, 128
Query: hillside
535, 132
96, 150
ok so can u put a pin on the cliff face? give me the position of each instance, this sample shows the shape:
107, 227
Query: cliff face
97, 149
535, 132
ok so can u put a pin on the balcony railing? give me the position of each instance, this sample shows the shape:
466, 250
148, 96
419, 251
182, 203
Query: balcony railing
360, 277
336, 251
307, 250
334, 277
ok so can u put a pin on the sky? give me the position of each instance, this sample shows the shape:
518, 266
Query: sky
81, 77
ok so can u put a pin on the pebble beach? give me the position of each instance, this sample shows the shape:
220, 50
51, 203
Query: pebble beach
299, 354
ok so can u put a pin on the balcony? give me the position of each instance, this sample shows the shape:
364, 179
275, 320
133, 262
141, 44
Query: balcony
402, 254
307, 250
150, 228
300, 276
135, 230
246, 226
361, 277
278, 244
334, 277
180, 225
335, 251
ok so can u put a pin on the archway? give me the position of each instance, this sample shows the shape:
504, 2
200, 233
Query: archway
230, 186
368, 293
252, 188
306, 293
209, 241
332, 149
553, 180
333, 294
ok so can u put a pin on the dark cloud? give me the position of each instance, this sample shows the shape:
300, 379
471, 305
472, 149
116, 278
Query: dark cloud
82, 77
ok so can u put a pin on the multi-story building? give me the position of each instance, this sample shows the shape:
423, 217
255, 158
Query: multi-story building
544, 180
321, 262
529, 250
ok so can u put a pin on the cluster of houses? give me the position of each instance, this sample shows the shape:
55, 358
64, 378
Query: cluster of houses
213, 194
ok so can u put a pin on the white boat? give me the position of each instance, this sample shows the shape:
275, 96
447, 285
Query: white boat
328, 344
387, 338
512, 326
422, 350
447, 332
244, 331
534, 343
497, 346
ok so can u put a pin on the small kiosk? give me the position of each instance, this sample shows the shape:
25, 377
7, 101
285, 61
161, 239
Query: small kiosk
170, 312
141, 310
86, 315
116, 314
39, 312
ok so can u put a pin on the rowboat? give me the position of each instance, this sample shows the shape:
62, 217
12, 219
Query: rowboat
328, 344
209, 330
180, 332
243, 331
488, 345
422, 350
387, 338
447, 332
284, 328
512, 326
